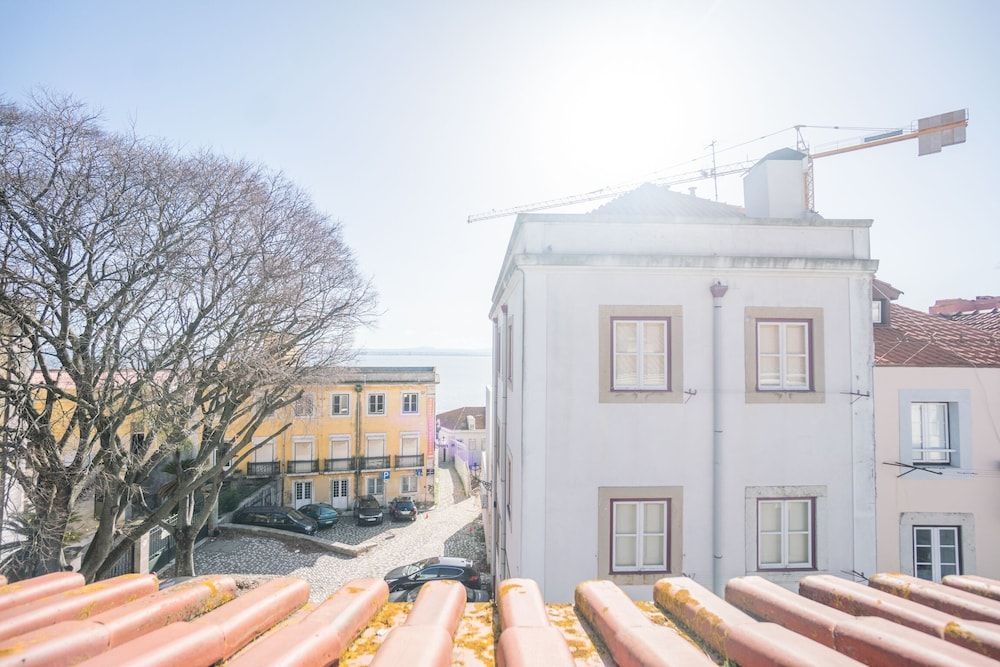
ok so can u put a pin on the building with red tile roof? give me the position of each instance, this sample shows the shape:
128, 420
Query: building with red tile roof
56, 620
937, 436
983, 312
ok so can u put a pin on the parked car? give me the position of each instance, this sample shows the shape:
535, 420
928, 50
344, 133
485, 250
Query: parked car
367, 511
402, 508
322, 513
471, 595
416, 574
283, 518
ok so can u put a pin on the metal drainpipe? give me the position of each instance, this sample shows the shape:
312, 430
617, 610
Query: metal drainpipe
358, 451
718, 291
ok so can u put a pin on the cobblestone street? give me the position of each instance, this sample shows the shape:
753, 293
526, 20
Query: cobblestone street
454, 528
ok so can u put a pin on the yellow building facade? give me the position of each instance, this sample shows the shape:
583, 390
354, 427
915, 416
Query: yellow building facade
368, 431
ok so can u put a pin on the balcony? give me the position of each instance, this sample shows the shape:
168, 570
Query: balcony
265, 469
410, 461
302, 466
339, 465
374, 462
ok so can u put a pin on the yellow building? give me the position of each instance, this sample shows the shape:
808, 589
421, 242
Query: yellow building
368, 431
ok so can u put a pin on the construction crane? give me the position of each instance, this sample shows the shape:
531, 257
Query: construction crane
933, 133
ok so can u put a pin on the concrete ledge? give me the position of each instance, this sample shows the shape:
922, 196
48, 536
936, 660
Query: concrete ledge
349, 550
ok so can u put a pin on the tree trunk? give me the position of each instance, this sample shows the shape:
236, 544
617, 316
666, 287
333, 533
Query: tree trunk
184, 539
44, 553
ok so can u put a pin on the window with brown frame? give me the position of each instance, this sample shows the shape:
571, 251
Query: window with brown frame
640, 354
784, 355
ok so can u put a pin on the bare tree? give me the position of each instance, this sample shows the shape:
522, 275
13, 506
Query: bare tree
143, 285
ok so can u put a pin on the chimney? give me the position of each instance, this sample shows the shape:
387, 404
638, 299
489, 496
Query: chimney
775, 186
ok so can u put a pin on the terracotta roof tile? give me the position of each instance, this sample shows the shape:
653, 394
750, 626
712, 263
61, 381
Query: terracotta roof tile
913, 338
957, 306
834, 621
987, 320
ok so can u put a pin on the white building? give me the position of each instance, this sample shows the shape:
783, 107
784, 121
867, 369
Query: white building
461, 433
684, 387
937, 431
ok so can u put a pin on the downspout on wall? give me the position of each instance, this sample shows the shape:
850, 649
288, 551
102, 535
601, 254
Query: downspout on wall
718, 291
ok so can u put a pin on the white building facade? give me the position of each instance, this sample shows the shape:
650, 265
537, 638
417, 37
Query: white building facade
682, 387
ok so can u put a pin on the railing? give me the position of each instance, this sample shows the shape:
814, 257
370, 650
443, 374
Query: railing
374, 462
161, 547
410, 461
124, 565
264, 469
338, 465
302, 466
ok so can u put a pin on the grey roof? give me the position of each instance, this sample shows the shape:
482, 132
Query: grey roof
783, 154
455, 420
658, 200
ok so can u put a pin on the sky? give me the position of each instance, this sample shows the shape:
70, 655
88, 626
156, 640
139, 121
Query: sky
402, 118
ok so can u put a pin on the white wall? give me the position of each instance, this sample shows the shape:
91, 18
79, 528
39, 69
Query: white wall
571, 444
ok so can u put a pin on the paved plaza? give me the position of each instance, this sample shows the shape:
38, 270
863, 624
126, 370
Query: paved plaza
453, 528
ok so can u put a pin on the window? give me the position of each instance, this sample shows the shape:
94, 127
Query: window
263, 453
785, 534
929, 433
408, 484
302, 447
374, 486
338, 488
376, 404
510, 353
305, 406
639, 539
935, 551
340, 446
783, 356
409, 444
137, 444
428, 573
640, 355
410, 405
340, 405
877, 311
375, 446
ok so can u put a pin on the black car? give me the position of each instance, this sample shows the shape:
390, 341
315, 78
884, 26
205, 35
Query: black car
417, 574
283, 518
403, 508
471, 595
367, 511
322, 513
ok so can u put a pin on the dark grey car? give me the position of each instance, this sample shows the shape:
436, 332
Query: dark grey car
283, 518
417, 574
367, 511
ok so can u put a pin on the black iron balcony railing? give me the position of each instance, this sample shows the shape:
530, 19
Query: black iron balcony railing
374, 462
264, 469
307, 465
339, 465
410, 461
